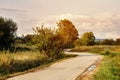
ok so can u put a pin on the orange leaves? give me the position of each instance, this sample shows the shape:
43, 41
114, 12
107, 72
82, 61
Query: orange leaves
68, 31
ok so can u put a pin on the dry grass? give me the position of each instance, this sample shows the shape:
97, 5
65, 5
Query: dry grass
20, 61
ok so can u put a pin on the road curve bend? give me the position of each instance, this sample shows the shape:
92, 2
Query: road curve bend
68, 69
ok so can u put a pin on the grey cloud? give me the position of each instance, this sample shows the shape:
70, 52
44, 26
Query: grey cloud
12, 10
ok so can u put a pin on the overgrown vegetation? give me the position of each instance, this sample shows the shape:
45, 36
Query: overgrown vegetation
20, 61
110, 67
19, 54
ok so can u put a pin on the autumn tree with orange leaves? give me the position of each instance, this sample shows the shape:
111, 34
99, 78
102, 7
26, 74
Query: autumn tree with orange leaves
67, 31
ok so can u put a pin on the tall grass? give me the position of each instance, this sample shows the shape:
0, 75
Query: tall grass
11, 63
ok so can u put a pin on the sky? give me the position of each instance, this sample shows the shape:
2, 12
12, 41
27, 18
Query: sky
102, 17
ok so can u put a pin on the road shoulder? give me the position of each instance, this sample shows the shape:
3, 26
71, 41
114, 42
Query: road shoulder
89, 73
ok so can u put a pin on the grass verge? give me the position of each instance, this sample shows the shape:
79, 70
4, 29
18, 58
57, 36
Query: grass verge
110, 68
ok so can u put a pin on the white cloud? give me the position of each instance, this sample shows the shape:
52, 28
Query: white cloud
104, 25
112, 35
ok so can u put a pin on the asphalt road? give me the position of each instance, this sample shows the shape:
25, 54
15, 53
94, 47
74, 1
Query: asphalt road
67, 69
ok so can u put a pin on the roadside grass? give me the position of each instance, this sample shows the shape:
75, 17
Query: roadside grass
110, 67
16, 62
11, 63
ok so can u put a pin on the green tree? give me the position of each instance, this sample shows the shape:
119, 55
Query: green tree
67, 31
27, 39
108, 42
117, 42
47, 41
7, 32
88, 39
78, 43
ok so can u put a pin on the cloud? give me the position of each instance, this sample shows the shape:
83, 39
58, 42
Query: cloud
12, 10
103, 25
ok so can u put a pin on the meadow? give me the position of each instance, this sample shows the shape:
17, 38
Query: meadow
110, 66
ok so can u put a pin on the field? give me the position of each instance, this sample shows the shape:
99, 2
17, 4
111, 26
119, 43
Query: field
110, 67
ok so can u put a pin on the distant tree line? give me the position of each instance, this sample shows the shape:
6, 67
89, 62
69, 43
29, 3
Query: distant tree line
88, 39
108, 42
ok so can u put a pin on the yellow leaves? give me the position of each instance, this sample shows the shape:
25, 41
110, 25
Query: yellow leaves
67, 30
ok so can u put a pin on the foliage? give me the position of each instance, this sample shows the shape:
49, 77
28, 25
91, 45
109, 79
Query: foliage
7, 32
48, 42
108, 42
88, 39
78, 43
27, 39
67, 31
117, 42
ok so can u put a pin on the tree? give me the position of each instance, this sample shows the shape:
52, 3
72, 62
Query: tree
108, 42
78, 43
117, 42
88, 39
67, 31
27, 39
47, 41
8, 30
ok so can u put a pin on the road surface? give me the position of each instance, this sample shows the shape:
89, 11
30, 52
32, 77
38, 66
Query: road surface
68, 69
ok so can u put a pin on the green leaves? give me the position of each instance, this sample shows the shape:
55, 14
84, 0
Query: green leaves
7, 32
88, 39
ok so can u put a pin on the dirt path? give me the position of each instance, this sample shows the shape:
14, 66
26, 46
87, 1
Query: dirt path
68, 69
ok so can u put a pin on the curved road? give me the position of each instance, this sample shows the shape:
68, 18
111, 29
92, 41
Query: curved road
68, 69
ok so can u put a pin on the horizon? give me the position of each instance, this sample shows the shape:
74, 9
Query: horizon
100, 17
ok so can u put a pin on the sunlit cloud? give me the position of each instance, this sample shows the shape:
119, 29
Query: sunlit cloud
104, 25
